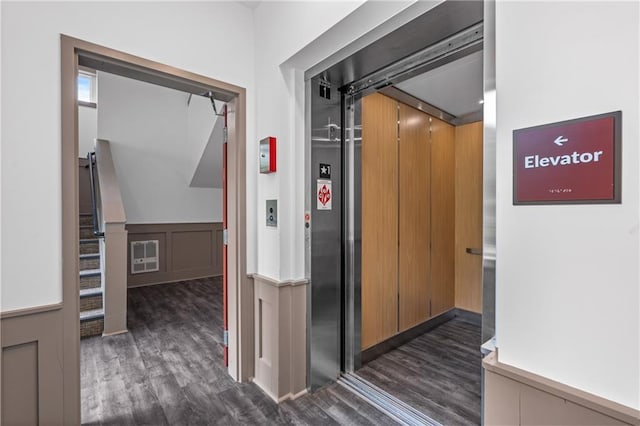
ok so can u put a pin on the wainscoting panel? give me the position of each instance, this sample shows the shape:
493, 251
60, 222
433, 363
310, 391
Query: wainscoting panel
517, 397
186, 251
20, 366
192, 250
280, 337
32, 377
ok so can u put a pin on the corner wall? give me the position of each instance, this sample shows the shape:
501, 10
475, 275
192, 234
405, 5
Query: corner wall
321, 30
31, 70
147, 128
87, 129
567, 284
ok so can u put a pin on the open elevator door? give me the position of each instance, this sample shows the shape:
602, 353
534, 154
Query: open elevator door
324, 252
333, 130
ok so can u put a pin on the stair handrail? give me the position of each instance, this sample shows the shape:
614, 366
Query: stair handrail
91, 156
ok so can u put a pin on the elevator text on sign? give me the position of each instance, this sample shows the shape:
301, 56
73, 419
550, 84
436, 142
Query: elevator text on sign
570, 162
324, 195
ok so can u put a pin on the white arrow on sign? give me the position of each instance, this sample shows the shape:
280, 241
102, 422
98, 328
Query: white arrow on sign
560, 140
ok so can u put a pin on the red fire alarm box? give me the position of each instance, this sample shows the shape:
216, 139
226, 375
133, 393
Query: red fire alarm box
268, 155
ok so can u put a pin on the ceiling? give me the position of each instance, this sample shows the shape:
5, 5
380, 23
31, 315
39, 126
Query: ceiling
455, 88
250, 4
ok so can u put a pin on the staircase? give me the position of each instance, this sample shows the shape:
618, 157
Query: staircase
91, 306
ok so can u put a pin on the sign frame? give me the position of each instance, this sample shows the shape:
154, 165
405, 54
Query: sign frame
617, 161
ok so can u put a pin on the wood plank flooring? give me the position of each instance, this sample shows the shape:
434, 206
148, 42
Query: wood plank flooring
168, 370
438, 373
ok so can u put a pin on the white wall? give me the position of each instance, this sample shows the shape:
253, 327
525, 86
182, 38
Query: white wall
200, 122
567, 280
87, 130
567, 291
146, 126
321, 29
567, 276
181, 34
1, 172
208, 173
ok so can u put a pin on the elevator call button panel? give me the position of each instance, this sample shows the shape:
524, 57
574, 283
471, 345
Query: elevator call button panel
272, 213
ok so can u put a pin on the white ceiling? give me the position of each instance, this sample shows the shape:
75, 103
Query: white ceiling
455, 87
250, 4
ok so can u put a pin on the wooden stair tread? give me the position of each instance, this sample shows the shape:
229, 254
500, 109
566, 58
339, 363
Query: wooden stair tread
90, 273
92, 315
90, 256
90, 292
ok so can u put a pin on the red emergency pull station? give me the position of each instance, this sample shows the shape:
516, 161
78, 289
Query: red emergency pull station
268, 155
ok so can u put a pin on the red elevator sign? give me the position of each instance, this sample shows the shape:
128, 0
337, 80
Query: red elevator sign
570, 162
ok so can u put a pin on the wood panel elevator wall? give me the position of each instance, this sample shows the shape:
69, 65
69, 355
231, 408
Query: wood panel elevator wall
411, 239
468, 183
380, 223
413, 214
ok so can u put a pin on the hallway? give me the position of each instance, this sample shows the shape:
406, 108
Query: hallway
167, 370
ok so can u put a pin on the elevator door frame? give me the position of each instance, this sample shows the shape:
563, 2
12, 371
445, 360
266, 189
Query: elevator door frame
351, 358
444, 20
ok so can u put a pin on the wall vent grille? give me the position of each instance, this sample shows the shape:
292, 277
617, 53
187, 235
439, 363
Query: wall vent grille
144, 256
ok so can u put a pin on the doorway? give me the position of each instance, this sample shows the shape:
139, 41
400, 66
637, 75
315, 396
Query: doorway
402, 159
76, 53
420, 215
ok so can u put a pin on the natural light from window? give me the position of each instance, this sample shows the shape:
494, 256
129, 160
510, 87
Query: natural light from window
86, 87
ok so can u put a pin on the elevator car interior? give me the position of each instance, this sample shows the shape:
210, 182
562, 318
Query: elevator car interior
396, 265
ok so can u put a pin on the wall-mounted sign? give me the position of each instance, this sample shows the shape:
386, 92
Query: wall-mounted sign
570, 162
324, 195
325, 171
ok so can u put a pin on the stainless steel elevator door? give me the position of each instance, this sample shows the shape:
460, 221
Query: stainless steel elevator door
352, 147
325, 304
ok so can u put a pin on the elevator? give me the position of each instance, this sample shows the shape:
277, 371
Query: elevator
401, 249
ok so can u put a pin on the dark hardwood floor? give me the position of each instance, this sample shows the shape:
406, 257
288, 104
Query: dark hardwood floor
168, 370
438, 373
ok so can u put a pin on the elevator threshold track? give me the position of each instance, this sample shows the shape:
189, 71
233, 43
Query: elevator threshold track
383, 401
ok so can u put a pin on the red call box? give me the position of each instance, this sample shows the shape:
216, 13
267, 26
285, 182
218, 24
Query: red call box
569, 162
268, 155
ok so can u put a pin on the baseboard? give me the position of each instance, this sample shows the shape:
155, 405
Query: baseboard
115, 333
303, 392
400, 339
265, 390
470, 316
172, 281
291, 396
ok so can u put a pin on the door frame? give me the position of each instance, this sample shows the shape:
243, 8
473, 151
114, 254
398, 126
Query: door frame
240, 292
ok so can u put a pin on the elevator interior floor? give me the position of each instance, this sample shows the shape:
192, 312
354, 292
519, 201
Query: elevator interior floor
437, 373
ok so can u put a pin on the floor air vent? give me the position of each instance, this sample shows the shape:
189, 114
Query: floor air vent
144, 256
